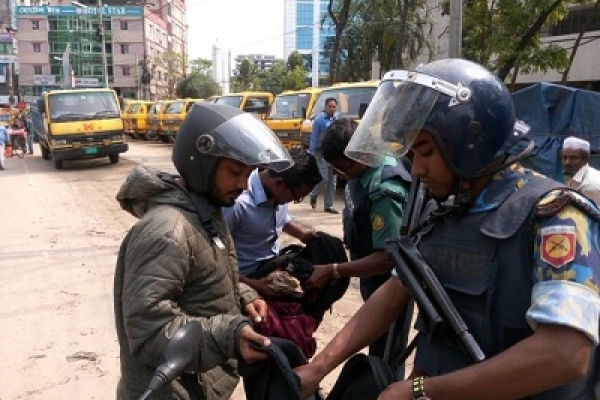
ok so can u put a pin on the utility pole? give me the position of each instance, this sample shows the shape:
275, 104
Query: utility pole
103, 43
454, 49
315, 42
146, 75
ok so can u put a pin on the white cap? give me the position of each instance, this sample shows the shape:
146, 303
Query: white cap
577, 144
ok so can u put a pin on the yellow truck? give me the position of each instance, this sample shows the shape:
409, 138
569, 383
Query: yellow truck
172, 117
153, 123
288, 111
253, 102
136, 118
352, 101
78, 124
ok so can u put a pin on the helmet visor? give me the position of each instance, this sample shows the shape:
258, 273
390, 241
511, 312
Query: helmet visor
392, 121
247, 139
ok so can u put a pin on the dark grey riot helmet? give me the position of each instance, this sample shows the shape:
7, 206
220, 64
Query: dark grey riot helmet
211, 131
467, 109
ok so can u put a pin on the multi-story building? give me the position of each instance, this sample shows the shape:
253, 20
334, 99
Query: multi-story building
61, 46
301, 26
584, 72
9, 66
260, 61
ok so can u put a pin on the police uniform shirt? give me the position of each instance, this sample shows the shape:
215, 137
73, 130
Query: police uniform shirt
386, 212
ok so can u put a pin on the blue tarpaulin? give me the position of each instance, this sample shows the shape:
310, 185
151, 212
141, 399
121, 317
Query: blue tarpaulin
555, 112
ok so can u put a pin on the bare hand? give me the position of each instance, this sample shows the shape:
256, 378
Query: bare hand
397, 391
250, 355
308, 236
264, 290
320, 277
257, 310
309, 379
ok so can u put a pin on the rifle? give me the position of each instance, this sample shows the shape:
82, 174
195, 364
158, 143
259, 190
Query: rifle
398, 333
435, 307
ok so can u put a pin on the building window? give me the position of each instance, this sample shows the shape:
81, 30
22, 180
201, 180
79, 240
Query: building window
575, 21
126, 71
124, 49
37, 70
124, 25
35, 25
37, 47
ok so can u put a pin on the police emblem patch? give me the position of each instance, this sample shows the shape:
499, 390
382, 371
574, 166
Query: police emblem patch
377, 223
558, 245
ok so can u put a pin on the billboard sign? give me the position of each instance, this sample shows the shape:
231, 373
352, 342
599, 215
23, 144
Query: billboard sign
43, 80
108, 11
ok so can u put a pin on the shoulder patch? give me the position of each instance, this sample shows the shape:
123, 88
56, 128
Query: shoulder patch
558, 245
552, 203
377, 223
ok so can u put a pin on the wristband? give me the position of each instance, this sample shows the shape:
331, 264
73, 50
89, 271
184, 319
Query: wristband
335, 271
417, 388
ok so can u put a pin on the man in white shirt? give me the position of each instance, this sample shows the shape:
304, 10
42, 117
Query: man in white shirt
575, 155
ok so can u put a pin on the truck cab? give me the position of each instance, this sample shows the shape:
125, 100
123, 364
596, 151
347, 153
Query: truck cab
79, 123
257, 103
152, 120
172, 117
352, 101
288, 111
135, 118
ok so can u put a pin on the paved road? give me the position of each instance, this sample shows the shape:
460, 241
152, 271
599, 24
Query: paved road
59, 236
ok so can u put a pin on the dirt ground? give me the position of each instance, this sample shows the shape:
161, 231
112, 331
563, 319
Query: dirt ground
59, 237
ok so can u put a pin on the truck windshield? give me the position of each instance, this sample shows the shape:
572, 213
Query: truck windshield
174, 108
349, 100
289, 106
155, 108
233, 101
83, 105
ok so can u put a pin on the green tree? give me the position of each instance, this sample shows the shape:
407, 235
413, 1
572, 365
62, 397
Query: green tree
172, 65
393, 32
295, 79
505, 37
272, 80
200, 65
338, 11
197, 86
295, 59
246, 78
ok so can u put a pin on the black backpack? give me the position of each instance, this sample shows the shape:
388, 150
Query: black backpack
298, 260
274, 378
363, 377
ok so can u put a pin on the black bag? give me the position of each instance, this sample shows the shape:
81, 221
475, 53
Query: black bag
298, 260
274, 378
325, 249
363, 377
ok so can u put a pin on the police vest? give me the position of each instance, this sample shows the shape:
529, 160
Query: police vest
483, 260
358, 232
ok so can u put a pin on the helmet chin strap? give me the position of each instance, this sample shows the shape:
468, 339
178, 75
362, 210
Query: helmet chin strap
464, 186
464, 193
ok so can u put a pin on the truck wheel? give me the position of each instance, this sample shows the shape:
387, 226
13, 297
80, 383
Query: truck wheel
164, 139
58, 164
150, 135
44, 151
114, 158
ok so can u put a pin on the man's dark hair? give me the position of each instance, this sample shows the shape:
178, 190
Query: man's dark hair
336, 138
304, 171
327, 100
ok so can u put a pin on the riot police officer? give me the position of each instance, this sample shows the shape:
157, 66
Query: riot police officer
516, 252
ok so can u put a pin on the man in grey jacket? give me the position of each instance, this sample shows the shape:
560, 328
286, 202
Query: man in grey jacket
178, 262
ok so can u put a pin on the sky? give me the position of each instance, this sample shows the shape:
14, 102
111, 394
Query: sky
244, 26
